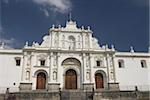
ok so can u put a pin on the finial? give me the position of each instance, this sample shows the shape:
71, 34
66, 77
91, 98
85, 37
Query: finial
53, 26
26, 44
33, 44
112, 47
88, 27
82, 27
103, 46
36, 44
131, 49
2, 45
106, 47
59, 26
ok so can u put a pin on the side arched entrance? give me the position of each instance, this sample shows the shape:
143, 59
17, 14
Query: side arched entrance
71, 79
99, 80
41, 81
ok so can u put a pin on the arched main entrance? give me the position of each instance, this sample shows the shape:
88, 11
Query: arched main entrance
99, 80
71, 79
41, 81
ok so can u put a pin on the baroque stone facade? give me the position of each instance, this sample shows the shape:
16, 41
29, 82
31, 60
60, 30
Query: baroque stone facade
71, 58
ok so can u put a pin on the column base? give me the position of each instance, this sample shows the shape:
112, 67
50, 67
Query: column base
53, 86
113, 86
88, 86
25, 87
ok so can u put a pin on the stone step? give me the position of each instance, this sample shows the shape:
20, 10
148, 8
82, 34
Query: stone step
76, 95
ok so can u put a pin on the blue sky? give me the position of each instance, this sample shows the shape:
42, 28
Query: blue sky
123, 23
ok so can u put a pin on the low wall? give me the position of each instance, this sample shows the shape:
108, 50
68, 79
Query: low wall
77, 95
121, 95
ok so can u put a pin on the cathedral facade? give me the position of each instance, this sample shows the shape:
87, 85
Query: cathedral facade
70, 58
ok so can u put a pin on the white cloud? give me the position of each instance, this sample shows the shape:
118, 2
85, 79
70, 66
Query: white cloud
8, 43
46, 13
61, 6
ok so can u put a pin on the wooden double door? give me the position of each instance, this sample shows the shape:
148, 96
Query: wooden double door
99, 81
41, 81
71, 79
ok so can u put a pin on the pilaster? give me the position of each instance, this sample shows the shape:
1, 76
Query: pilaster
84, 67
51, 66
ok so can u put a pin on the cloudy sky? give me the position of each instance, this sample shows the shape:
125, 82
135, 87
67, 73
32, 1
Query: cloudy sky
123, 23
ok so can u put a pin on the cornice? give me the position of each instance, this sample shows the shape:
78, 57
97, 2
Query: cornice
11, 51
129, 54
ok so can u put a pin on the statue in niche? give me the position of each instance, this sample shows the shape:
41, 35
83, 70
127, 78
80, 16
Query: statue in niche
54, 75
27, 75
111, 74
88, 75
71, 42
71, 45
79, 45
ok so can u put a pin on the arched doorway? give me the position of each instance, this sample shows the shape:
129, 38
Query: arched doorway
99, 80
41, 81
71, 79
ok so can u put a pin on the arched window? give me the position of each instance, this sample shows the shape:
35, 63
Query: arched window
143, 64
99, 63
121, 63
18, 61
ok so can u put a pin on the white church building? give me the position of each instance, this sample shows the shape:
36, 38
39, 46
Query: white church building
70, 58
